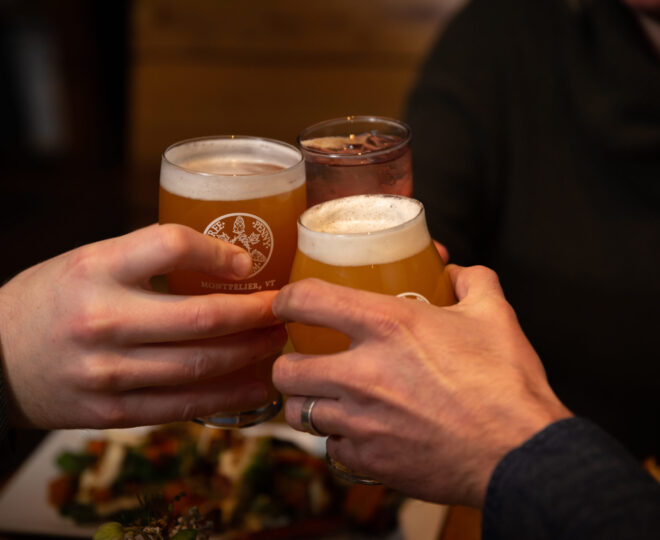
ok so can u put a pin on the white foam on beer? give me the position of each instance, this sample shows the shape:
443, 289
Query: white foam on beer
363, 229
229, 168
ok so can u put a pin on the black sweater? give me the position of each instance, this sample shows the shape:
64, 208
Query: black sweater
571, 481
536, 151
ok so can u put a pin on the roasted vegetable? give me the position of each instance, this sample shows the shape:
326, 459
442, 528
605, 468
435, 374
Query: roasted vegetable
263, 487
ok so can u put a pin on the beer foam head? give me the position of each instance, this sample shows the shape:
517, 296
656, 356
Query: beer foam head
363, 229
231, 168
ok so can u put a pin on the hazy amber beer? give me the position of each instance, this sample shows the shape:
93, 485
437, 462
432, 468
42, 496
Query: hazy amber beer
247, 191
244, 190
378, 243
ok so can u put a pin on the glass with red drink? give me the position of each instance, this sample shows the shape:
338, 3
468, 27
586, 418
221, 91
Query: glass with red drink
356, 155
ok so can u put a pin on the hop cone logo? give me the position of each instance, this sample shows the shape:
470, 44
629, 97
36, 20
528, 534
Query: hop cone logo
248, 231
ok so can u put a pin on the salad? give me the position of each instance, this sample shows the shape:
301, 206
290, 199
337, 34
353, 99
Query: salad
229, 484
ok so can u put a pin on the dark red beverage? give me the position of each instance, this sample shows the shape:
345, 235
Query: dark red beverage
356, 155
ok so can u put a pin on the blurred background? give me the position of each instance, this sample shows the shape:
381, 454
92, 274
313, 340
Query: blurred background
93, 92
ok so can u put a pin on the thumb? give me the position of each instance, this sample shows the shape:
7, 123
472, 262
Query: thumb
159, 249
474, 282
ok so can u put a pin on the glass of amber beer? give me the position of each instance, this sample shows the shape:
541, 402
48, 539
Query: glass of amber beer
377, 243
248, 191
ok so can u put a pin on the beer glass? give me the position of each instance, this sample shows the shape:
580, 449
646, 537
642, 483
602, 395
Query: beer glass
248, 191
356, 155
377, 243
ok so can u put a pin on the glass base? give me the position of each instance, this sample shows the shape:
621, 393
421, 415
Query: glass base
241, 419
340, 471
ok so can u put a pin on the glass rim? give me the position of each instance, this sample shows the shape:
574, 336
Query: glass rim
420, 213
405, 140
192, 140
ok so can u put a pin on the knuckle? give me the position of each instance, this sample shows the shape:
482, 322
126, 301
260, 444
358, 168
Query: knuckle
283, 372
98, 375
308, 291
279, 372
384, 322
92, 324
477, 273
298, 295
260, 309
80, 263
191, 410
174, 240
200, 364
108, 413
484, 272
291, 415
204, 319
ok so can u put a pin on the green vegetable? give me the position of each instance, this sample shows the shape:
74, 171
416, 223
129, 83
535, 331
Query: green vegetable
109, 531
74, 463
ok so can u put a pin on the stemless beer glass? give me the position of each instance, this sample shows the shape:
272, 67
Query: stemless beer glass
356, 155
378, 243
248, 191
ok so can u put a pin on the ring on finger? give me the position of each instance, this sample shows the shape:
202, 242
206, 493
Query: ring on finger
306, 417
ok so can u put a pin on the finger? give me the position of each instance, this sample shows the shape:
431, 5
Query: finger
186, 362
442, 250
146, 317
159, 249
312, 375
356, 313
474, 282
168, 404
344, 451
327, 415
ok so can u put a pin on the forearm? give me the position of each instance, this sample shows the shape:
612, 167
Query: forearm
571, 480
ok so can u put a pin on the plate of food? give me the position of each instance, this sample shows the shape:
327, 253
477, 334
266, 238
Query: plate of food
264, 482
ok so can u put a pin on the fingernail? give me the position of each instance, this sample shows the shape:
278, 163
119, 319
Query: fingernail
242, 264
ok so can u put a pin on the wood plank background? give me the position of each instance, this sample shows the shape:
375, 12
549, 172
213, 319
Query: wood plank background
265, 67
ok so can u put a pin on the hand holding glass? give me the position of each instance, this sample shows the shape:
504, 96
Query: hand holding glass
377, 243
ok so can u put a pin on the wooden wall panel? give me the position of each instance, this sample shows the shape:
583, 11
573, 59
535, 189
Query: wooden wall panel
266, 67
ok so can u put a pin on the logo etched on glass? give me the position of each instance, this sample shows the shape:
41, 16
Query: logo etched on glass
247, 231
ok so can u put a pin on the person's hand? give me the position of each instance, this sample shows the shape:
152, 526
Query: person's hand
442, 251
427, 399
87, 343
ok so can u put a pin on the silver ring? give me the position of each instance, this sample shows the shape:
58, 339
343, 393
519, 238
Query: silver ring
306, 417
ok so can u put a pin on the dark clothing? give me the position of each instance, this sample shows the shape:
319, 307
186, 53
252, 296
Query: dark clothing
536, 151
573, 481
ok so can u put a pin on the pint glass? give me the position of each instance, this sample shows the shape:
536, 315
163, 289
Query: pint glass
356, 155
377, 243
247, 191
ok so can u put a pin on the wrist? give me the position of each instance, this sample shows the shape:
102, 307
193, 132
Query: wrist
520, 431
